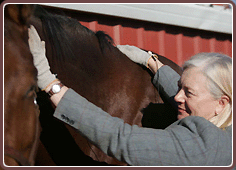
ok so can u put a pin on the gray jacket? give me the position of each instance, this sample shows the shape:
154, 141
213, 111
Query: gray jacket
192, 141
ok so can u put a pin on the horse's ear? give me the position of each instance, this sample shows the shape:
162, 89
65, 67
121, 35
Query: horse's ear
19, 13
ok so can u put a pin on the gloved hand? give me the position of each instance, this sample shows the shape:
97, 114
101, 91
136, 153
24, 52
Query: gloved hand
135, 54
37, 48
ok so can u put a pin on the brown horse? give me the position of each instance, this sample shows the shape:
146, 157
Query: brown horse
20, 111
89, 63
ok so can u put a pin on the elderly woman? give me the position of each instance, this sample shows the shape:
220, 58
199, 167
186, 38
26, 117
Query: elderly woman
202, 136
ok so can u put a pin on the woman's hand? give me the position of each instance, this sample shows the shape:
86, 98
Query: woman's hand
135, 54
142, 57
37, 48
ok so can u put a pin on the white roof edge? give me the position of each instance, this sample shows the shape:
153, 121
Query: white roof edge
185, 15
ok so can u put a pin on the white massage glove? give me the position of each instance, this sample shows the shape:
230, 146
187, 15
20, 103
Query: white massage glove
37, 48
135, 54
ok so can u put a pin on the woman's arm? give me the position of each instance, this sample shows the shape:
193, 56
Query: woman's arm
166, 81
130, 144
186, 142
154, 64
56, 97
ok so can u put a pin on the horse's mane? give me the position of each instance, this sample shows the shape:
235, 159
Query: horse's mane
54, 28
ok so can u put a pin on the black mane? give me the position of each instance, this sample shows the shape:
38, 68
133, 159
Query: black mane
54, 28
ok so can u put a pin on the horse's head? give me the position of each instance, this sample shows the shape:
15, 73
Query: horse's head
20, 82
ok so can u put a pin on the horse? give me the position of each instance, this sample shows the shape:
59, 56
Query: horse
21, 123
90, 63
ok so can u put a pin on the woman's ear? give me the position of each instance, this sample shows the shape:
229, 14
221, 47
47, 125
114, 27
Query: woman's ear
222, 103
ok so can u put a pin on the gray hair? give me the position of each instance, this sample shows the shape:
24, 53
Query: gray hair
218, 70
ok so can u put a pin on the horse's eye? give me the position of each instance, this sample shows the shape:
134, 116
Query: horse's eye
31, 93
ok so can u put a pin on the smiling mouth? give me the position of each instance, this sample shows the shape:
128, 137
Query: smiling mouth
181, 109
182, 113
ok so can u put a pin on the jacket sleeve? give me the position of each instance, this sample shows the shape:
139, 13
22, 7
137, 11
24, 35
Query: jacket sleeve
166, 82
176, 145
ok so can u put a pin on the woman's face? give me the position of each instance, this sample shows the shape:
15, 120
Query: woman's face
194, 98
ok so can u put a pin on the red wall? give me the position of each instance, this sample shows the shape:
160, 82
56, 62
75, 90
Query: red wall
173, 42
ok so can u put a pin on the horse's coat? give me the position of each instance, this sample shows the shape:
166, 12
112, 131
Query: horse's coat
90, 64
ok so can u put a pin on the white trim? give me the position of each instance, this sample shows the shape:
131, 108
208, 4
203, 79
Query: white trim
185, 15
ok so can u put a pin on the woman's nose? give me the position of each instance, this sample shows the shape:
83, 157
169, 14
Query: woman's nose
179, 98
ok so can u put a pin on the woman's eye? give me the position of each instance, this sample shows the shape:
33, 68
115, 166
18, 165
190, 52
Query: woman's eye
188, 93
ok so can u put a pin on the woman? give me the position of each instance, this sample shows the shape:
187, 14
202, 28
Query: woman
205, 69
192, 140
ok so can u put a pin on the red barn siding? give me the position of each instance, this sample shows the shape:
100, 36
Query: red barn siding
173, 42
